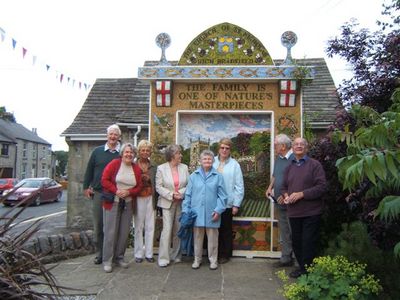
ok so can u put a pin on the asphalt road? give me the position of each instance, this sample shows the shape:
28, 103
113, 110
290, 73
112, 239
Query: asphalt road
52, 216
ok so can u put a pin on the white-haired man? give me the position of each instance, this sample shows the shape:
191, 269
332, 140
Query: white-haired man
283, 150
98, 160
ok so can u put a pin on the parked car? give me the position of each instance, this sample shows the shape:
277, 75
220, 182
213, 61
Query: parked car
35, 191
7, 183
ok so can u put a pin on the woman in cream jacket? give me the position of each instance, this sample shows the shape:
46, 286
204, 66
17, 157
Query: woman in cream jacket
171, 180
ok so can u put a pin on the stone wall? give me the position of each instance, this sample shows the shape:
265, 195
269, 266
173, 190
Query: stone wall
61, 246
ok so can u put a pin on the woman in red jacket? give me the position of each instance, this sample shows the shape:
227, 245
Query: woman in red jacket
122, 180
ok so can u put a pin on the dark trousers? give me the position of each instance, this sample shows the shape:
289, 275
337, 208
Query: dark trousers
305, 237
225, 239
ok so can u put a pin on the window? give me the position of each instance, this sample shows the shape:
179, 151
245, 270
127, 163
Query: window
33, 172
4, 149
24, 149
44, 170
34, 152
23, 173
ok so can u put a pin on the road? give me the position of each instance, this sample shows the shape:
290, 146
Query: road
53, 216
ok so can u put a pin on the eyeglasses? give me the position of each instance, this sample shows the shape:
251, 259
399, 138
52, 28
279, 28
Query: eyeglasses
225, 148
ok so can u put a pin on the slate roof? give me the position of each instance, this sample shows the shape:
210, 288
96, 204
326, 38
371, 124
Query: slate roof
14, 131
126, 100
120, 100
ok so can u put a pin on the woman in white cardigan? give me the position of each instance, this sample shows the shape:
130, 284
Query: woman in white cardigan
171, 180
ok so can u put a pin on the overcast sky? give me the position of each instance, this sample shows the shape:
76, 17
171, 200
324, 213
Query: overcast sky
89, 39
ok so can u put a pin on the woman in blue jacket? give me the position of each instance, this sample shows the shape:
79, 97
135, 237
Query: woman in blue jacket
206, 196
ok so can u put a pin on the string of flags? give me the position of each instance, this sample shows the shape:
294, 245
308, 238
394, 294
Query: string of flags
25, 55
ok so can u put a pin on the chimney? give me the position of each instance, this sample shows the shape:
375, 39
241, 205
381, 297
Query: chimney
34, 130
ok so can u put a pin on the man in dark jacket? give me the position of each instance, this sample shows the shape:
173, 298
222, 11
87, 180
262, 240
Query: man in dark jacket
303, 186
98, 160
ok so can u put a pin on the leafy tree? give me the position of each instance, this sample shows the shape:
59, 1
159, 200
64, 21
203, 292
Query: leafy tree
372, 164
6, 115
374, 57
62, 159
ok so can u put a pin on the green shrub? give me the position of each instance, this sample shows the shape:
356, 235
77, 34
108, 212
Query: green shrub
354, 242
331, 279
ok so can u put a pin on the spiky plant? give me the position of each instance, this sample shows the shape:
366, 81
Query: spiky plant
22, 274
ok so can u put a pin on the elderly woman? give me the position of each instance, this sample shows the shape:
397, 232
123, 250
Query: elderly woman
206, 196
233, 178
144, 215
121, 179
171, 181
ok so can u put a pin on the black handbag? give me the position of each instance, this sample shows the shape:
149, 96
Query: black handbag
107, 197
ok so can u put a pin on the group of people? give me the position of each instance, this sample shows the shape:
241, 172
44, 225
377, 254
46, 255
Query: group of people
123, 182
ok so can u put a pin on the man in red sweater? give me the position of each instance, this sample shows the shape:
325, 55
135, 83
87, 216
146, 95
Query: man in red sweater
304, 184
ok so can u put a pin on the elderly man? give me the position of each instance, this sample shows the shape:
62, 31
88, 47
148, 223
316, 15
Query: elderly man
98, 160
304, 184
283, 150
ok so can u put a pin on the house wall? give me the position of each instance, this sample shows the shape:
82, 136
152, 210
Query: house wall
79, 208
33, 160
8, 161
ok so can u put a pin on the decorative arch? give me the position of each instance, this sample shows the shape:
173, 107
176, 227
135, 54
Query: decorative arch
225, 44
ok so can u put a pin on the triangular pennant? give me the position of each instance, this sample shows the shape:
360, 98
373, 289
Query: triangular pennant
24, 52
2, 34
47, 67
14, 43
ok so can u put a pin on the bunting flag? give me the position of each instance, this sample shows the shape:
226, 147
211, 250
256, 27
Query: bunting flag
2, 34
163, 93
35, 61
287, 93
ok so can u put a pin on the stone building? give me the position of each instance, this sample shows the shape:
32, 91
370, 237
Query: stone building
24, 153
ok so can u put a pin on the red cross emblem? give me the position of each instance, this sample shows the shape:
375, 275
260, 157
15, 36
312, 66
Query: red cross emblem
163, 93
287, 93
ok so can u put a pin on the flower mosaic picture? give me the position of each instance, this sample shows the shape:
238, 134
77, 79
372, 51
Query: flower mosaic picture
251, 137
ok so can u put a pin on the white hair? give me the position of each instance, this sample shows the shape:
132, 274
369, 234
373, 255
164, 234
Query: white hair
114, 128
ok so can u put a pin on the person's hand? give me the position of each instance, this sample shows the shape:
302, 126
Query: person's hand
215, 216
280, 200
235, 210
177, 196
88, 193
268, 192
294, 197
122, 193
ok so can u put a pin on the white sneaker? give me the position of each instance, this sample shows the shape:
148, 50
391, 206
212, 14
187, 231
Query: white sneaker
122, 264
213, 266
196, 264
107, 268
177, 260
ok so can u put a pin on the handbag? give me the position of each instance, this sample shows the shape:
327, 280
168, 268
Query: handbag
107, 197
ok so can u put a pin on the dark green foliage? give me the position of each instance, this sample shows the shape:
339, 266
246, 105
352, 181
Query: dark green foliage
355, 244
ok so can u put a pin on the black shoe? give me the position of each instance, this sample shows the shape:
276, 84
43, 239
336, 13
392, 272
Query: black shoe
138, 260
97, 260
280, 264
223, 260
150, 260
296, 273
